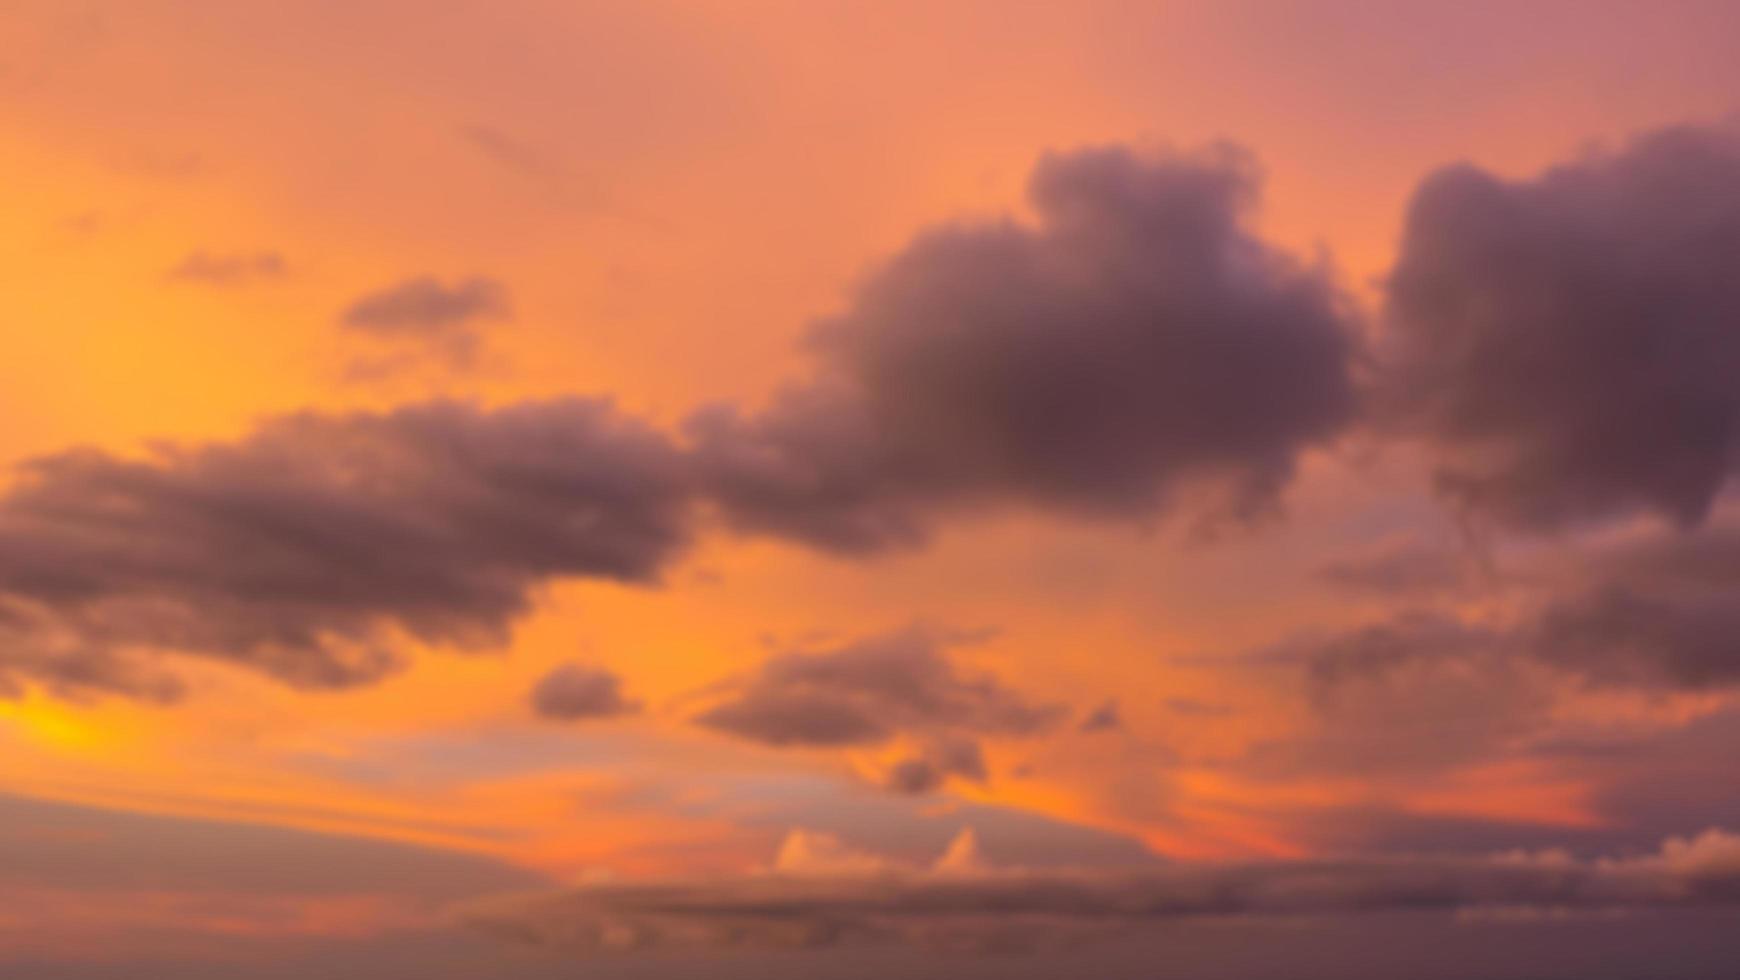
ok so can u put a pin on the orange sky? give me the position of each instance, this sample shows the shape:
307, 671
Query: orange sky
672, 191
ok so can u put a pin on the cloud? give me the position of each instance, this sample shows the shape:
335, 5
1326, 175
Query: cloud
1105, 718
964, 906
1620, 636
1415, 693
874, 691
1705, 561
230, 269
805, 852
426, 304
1387, 647
316, 548
1196, 708
443, 317
868, 690
574, 691
1422, 691
940, 759
1134, 342
1569, 344
1657, 611
507, 150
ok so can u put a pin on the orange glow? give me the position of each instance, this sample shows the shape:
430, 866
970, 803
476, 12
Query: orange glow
674, 192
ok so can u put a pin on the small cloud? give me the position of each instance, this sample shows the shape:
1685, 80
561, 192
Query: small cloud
1564, 344
85, 223
574, 691
427, 305
1104, 718
229, 269
1135, 350
507, 150
867, 691
895, 688
436, 317
940, 760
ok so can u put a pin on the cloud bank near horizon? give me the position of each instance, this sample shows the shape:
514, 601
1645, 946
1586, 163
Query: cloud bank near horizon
830, 897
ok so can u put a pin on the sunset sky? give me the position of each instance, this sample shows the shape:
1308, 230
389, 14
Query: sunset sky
548, 488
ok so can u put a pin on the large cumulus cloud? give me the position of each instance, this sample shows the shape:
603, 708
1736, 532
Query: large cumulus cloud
1135, 340
1571, 343
313, 548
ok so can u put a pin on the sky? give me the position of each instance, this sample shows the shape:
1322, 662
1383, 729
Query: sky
839, 489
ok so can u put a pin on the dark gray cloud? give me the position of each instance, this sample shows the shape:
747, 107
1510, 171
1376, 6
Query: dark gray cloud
872, 691
424, 310
229, 269
574, 691
1571, 343
314, 548
1136, 341
1023, 909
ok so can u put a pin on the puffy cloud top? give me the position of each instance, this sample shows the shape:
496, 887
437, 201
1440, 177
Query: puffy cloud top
1134, 340
1571, 343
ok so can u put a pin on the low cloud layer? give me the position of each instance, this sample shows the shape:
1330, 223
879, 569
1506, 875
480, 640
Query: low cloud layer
313, 549
1136, 342
1571, 343
960, 905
